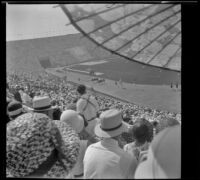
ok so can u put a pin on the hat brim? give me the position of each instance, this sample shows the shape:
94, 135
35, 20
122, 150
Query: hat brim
37, 110
107, 134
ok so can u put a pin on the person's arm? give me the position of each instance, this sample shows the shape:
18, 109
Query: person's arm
143, 156
125, 148
132, 168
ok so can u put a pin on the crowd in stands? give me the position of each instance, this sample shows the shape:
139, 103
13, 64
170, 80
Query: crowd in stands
59, 129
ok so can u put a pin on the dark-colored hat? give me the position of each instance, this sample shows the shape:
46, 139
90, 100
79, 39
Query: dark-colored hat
39, 147
14, 108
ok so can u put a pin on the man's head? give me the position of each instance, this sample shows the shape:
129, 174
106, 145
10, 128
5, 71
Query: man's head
111, 124
43, 105
140, 131
81, 89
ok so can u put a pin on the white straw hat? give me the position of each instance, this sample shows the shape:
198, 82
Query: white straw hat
111, 124
41, 103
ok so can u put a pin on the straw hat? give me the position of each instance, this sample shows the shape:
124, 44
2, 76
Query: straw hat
41, 103
74, 119
39, 147
111, 124
164, 156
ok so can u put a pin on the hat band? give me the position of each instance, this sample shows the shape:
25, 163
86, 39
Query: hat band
14, 113
43, 108
111, 129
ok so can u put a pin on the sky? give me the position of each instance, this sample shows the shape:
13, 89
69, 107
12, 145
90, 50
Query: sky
35, 21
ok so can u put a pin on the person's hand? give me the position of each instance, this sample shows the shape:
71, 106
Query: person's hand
143, 156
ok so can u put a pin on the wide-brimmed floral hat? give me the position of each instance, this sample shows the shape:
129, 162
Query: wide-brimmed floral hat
40, 147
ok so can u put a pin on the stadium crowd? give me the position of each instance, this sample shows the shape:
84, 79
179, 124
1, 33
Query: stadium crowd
91, 136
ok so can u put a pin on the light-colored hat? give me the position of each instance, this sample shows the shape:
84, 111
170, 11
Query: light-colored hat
111, 124
41, 103
73, 119
39, 147
164, 156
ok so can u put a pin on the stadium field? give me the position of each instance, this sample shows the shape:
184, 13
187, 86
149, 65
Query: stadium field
130, 72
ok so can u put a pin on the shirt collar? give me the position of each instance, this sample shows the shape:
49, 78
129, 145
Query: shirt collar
109, 142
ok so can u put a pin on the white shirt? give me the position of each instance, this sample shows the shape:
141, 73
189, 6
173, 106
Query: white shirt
89, 112
105, 159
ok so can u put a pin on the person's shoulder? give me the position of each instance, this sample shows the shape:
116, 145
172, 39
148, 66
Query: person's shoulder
126, 155
91, 147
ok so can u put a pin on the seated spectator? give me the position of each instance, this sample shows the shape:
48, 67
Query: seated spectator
56, 113
164, 156
165, 122
17, 95
39, 148
14, 109
43, 105
26, 99
77, 123
172, 122
105, 159
140, 131
72, 106
155, 126
126, 117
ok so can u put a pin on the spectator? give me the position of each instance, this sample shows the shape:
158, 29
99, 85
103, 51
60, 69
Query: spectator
150, 128
26, 99
65, 93
165, 122
172, 122
40, 148
77, 123
72, 106
105, 159
56, 113
17, 95
14, 109
140, 131
88, 107
164, 156
43, 105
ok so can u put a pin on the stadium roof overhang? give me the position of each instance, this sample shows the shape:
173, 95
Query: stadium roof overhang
149, 34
